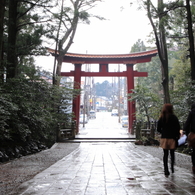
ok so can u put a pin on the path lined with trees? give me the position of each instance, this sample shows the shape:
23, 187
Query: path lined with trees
33, 103
31, 108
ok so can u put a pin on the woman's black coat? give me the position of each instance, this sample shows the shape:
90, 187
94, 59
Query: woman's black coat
169, 129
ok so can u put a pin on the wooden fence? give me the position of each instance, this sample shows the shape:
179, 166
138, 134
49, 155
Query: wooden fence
65, 132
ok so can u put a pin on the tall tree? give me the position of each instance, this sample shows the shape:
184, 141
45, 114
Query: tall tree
12, 34
147, 92
104, 89
2, 11
67, 20
138, 46
160, 37
191, 39
163, 25
24, 32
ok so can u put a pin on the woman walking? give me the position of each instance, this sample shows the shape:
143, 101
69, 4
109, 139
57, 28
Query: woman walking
169, 127
189, 126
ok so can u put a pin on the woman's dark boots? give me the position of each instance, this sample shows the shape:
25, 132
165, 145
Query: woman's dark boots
172, 152
172, 167
166, 170
165, 161
193, 160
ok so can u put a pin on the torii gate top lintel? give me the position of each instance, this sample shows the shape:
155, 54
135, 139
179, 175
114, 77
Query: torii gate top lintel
131, 58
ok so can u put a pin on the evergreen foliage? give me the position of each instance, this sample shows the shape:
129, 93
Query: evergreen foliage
31, 110
104, 89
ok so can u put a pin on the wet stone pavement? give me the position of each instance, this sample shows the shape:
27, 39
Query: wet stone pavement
109, 168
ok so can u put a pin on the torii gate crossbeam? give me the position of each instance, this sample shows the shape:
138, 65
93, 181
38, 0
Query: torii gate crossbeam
104, 60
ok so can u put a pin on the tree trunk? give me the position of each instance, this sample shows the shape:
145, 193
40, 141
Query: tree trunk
12, 34
57, 42
191, 40
62, 51
2, 11
59, 67
162, 47
164, 56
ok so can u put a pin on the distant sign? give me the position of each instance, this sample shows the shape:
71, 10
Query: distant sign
97, 102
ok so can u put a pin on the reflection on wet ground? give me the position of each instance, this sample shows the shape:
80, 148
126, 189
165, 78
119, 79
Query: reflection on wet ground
104, 126
109, 169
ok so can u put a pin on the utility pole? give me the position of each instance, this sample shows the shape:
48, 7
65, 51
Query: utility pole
84, 103
125, 96
119, 97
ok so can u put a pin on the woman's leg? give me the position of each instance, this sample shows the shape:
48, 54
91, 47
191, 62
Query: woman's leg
172, 152
165, 161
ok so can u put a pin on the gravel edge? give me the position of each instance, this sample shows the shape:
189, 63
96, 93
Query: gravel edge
15, 172
181, 160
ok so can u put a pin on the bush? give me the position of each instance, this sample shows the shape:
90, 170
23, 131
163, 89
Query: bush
29, 111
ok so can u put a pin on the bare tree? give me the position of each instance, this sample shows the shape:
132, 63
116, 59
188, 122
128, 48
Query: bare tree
67, 20
159, 33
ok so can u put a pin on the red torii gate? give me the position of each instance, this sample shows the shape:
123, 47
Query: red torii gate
103, 60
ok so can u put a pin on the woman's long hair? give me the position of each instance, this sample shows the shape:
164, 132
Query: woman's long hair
167, 110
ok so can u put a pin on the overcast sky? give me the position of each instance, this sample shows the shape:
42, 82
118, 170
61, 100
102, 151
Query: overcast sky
123, 27
116, 35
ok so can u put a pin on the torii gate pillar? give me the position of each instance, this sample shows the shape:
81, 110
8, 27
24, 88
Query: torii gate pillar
130, 105
76, 100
